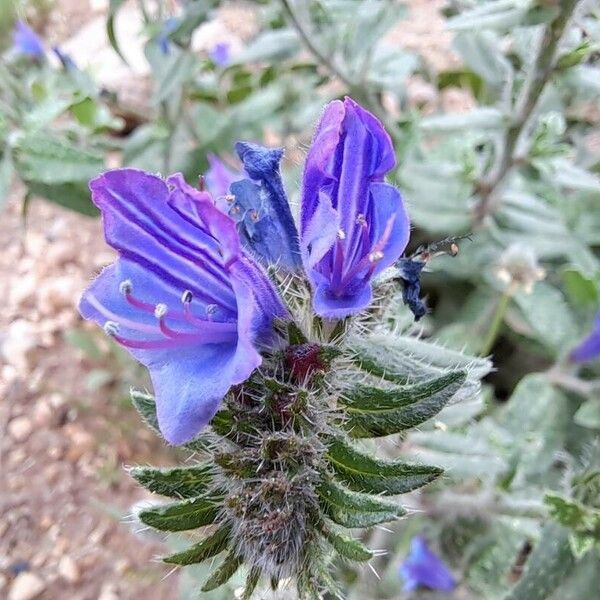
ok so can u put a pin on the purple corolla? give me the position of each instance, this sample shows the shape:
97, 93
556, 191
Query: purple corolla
425, 569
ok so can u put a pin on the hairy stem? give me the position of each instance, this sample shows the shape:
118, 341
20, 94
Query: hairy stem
497, 321
533, 88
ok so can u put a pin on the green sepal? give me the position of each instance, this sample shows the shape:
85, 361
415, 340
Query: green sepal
363, 473
146, 406
346, 546
180, 516
223, 423
367, 364
251, 583
374, 412
353, 509
222, 575
207, 548
178, 482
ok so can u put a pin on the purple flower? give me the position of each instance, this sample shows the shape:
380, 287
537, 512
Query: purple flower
182, 297
262, 210
220, 54
219, 178
26, 41
423, 568
409, 273
353, 224
589, 347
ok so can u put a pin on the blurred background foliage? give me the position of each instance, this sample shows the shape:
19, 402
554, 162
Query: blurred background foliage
517, 168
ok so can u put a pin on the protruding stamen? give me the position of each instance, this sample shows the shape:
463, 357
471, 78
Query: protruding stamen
341, 235
229, 198
375, 256
187, 297
361, 220
111, 328
201, 183
160, 310
254, 216
235, 210
126, 287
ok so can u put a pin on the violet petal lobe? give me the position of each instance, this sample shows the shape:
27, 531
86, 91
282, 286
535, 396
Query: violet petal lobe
261, 208
179, 297
353, 224
424, 569
589, 348
26, 41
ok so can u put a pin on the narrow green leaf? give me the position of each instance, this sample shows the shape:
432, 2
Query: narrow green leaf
251, 583
113, 8
180, 516
228, 567
179, 482
74, 195
347, 546
353, 509
145, 405
6, 175
374, 413
566, 511
364, 473
207, 548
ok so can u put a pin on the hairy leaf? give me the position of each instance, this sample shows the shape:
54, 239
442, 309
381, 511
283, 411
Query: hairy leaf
179, 482
180, 516
227, 569
207, 548
347, 546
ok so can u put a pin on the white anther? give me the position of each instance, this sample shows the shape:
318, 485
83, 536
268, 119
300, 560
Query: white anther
126, 287
211, 309
186, 297
341, 235
375, 256
361, 219
160, 311
229, 198
111, 328
254, 216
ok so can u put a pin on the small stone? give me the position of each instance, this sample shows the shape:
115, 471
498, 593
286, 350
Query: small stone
68, 569
20, 428
108, 592
26, 586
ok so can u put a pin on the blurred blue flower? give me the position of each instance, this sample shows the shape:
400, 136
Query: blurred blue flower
353, 224
220, 54
163, 39
424, 569
183, 297
67, 62
26, 41
260, 206
589, 347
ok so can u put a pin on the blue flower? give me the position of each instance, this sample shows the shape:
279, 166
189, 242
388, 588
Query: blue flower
353, 224
182, 297
424, 569
67, 62
260, 206
589, 347
220, 54
219, 178
26, 41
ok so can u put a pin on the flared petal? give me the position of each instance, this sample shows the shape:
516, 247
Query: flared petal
589, 348
424, 569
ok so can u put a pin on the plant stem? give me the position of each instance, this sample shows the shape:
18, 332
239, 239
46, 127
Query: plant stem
497, 321
533, 88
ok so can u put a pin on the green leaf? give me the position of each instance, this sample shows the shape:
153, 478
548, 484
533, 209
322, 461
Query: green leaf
251, 583
566, 511
48, 159
270, 46
347, 546
588, 414
373, 412
6, 175
477, 118
207, 548
178, 482
363, 473
73, 195
500, 14
225, 571
181, 516
581, 290
352, 509
547, 566
146, 406
113, 8
581, 543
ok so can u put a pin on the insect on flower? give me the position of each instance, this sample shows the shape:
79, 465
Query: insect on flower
183, 297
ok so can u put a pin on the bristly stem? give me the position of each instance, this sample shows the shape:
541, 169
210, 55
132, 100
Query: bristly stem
497, 321
533, 88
